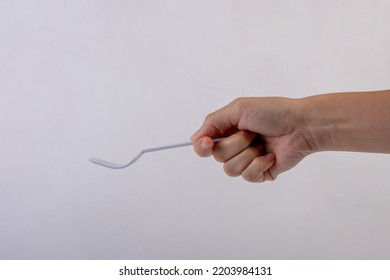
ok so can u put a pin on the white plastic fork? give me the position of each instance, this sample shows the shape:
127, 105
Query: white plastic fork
113, 165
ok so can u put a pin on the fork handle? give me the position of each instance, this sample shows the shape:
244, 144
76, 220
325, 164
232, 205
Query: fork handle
177, 145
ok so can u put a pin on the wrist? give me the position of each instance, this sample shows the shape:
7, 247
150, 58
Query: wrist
318, 124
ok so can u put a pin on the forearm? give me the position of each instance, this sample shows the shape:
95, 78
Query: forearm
357, 121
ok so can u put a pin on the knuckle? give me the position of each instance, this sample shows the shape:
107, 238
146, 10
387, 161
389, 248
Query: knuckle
259, 164
209, 117
219, 156
254, 172
238, 100
239, 103
246, 138
253, 177
231, 170
243, 138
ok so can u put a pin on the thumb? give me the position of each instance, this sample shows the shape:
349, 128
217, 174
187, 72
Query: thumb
222, 122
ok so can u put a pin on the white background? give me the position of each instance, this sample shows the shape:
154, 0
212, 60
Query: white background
108, 78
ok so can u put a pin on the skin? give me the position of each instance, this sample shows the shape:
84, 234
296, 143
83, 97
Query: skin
267, 136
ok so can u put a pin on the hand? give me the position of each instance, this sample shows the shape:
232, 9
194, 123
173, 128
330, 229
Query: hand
266, 136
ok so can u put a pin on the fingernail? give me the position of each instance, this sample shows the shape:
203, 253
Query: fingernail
204, 144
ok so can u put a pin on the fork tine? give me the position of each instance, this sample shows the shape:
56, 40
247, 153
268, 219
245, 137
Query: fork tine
107, 164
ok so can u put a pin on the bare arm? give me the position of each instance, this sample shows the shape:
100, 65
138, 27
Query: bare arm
358, 121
